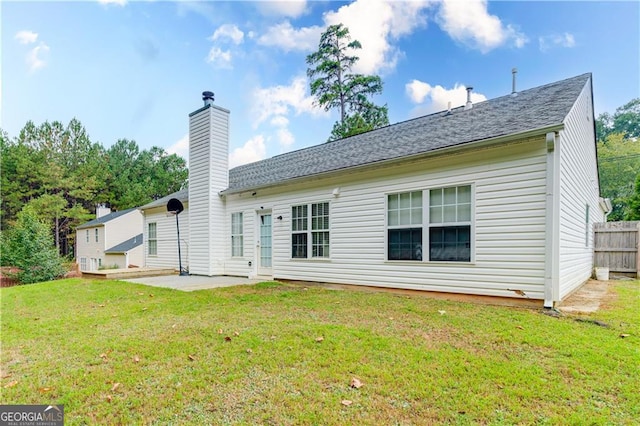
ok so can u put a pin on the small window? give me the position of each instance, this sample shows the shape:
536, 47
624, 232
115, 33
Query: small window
299, 231
87, 238
83, 261
152, 237
236, 235
96, 235
587, 228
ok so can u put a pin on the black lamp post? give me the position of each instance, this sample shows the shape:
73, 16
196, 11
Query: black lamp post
175, 207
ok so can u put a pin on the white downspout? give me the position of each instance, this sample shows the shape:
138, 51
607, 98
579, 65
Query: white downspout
552, 225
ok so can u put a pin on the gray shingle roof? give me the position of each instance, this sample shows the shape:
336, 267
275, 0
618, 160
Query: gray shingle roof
104, 219
531, 109
182, 195
124, 246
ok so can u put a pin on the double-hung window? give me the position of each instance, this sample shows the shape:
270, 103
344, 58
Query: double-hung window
87, 235
446, 233
404, 220
96, 234
236, 235
312, 228
450, 224
152, 238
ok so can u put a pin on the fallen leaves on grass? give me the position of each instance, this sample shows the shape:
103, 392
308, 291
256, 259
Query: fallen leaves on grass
115, 386
109, 398
235, 333
249, 350
346, 402
442, 312
319, 339
191, 358
44, 390
11, 384
623, 335
219, 331
355, 383
520, 327
136, 358
227, 338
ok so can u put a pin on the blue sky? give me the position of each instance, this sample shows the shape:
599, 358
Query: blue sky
136, 69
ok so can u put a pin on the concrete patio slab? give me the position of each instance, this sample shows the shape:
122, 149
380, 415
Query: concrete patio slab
193, 282
586, 299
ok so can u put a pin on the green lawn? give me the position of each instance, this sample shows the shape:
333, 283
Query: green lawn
120, 353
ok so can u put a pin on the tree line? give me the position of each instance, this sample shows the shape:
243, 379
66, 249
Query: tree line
619, 159
61, 175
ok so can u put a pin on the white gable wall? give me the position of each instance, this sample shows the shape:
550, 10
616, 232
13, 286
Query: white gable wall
578, 188
167, 235
509, 224
122, 228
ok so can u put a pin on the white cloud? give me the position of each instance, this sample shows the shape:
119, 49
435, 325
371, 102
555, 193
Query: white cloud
219, 58
181, 147
279, 101
230, 32
556, 40
289, 8
36, 58
469, 22
116, 2
280, 121
289, 39
375, 23
253, 150
26, 37
438, 96
285, 138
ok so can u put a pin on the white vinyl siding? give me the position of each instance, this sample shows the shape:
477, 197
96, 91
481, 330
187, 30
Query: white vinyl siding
152, 239
166, 238
508, 212
578, 187
237, 242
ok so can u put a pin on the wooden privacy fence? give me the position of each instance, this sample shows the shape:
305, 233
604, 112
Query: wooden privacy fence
616, 247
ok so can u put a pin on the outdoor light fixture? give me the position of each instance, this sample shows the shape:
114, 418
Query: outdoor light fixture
279, 217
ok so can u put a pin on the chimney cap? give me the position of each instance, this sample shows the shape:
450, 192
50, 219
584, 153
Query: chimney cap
207, 95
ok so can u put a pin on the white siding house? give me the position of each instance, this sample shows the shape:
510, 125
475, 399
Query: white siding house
111, 240
497, 199
161, 233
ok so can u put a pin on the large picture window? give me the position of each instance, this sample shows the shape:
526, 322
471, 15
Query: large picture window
237, 243
314, 228
446, 233
152, 238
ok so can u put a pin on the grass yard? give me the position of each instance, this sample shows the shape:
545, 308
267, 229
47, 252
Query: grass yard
120, 353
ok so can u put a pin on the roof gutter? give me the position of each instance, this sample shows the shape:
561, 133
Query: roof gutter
389, 162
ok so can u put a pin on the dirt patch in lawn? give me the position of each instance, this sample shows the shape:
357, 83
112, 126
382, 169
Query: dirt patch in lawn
588, 298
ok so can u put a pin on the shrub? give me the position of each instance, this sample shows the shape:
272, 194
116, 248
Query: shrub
29, 247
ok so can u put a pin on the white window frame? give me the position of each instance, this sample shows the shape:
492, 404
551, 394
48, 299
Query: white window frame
83, 262
152, 247
315, 230
87, 236
426, 225
237, 234
96, 232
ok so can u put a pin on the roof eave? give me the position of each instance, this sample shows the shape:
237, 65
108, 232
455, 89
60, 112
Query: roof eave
460, 147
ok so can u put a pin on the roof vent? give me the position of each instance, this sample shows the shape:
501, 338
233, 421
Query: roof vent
514, 71
207, 97
468, 105
448, 108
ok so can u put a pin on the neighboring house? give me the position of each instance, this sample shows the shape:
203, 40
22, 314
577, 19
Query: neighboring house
496, 198
161, 233
112, 239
